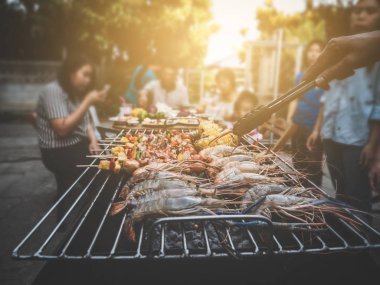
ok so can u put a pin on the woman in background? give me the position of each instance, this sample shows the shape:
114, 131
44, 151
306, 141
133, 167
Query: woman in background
246, 101
302, 115
64, 132
221, 106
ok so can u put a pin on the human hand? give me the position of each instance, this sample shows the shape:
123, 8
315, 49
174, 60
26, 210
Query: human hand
366, 156
312, 140
95, 97
342, 55
93, 147
374, 176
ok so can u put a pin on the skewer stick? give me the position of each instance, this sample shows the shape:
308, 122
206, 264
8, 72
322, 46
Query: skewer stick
111, 144
101, 156
84, 165
111, 140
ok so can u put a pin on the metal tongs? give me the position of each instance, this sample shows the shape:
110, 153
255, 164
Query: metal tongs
261, 114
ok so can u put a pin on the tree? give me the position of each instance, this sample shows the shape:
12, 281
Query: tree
175, 30
318, 21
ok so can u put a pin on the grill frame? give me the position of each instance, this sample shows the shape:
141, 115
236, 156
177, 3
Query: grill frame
141, 251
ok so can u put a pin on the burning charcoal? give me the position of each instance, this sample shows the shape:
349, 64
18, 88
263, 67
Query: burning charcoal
196, 244
173, 236
244, 244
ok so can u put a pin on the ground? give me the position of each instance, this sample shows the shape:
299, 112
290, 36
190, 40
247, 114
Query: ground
27, 190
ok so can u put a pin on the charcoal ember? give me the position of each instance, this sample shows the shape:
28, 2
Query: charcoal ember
244, 244
172, 236
196, 244
156, 238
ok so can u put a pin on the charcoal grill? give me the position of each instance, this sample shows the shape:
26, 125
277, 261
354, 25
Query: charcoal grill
92, 234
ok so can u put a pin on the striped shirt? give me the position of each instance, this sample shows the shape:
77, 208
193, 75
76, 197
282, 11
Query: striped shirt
53, 103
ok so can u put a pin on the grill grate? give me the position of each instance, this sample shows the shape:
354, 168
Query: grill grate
92, 233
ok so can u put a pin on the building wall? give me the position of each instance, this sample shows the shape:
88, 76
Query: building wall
21, 82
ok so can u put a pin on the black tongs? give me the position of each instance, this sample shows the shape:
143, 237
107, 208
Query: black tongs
261, 114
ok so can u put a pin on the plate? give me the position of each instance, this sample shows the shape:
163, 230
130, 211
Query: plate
153, 122
187, 121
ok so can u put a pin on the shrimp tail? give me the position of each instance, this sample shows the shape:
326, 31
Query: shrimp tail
117, 208
130, 231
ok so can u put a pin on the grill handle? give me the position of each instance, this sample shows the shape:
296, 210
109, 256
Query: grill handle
261, 114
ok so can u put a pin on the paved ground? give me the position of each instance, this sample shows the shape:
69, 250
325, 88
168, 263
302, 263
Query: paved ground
27, 190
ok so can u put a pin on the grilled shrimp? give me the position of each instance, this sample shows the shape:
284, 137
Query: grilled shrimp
134, 199
235, 175
149, 175
221, 151
158, 185
245, 166
222, 161
166, 206
262, 190
278, 201
184, 205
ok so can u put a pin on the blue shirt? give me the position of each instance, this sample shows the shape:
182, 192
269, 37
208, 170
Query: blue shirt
348, 107
133, 90
308, 106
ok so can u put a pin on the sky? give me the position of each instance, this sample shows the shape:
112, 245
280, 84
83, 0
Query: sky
232, 16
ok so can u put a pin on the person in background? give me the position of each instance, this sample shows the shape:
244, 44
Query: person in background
141, 76
245, 102
221, 106
166, 89
349, 132
64, 132
302, 115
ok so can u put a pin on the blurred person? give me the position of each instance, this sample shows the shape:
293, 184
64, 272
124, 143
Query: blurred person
221, 106
302, 115
346, 123
342, 55
64, 132
245, 102
166, 89
141, 76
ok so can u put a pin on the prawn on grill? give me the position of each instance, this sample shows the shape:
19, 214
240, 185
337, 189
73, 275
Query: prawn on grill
235, 175
172, 206
309, 210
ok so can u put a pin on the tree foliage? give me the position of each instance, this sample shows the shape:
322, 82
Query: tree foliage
175, 30
321, 19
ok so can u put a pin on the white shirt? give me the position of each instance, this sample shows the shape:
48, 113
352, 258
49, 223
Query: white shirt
174, 98
347, 109
217, 109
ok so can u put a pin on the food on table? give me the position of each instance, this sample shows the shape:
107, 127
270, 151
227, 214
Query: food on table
153, 122
148, 148
208, 131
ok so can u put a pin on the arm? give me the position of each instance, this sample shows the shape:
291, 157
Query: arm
64, 126
314, 136
369, 149
291, 110
374, 171
342, 55
93, 146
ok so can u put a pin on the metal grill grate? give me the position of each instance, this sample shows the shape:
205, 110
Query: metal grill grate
93, 234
